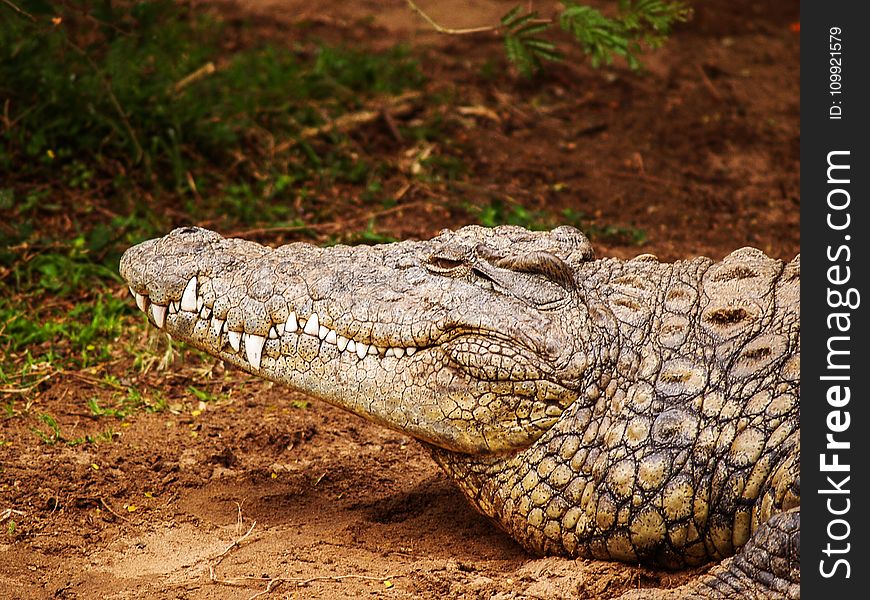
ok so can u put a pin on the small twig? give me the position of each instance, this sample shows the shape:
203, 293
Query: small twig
235, 544
9, 513
708, 84
27, 388
391, 125
109, 508
19, 10
205, 70
449, 30
94, 380
394, 106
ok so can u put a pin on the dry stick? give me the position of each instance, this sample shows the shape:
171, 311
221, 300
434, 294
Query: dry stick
217, 559
9, 513
109, 508
27, 388
205, 70
449, 30
19, 10
708, 84
398, 105
94, 381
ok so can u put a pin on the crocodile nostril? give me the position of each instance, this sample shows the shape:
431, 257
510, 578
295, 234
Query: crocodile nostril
189, 230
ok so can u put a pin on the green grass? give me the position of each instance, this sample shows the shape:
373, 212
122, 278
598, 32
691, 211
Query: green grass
90, 101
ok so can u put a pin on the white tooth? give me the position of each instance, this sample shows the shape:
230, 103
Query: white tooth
279, 329
254, 348
188, 298
273, 334
217, 326
331, 337
141, 302
312, 326
172, 308
235, 339
389, 352
351, 346
205, 312
158, 311
373, 349
341, 341
411, 350
132, 293
200, 302
399, 352
361, 349
292, 325
322, 332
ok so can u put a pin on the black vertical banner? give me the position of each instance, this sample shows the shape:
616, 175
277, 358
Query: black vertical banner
835, 300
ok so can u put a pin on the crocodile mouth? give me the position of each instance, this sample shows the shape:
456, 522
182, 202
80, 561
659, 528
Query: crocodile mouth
192, 305
484, 355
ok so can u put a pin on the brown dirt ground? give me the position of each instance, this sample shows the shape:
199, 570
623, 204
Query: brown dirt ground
702, 154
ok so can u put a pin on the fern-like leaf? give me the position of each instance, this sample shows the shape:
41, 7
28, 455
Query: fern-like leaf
524, 46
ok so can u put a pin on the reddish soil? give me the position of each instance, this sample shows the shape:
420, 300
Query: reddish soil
701, 154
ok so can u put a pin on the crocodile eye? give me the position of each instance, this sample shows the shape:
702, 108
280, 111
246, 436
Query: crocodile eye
438, 263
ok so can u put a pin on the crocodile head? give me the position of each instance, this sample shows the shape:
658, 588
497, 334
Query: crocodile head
470, 341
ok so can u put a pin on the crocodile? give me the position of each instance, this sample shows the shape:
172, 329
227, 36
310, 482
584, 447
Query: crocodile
623, 410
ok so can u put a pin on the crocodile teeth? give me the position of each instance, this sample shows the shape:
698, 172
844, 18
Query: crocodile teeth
362, 349
158, 311
235, 338
205, 312
217, 326
342, 342
200, 302
188, 298
389, 352
351, 346
410, 350
331, 337
141, 302
279, 329
322, 332
373, 349
398, 352
312, 326
174, 306
292, 324
254, 348
273, 333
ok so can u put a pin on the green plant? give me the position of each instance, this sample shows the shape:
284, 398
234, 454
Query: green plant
500, 213
94, 88
634, 26
53, 435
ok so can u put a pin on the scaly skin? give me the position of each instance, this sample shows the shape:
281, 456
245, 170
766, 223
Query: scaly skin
621, 410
